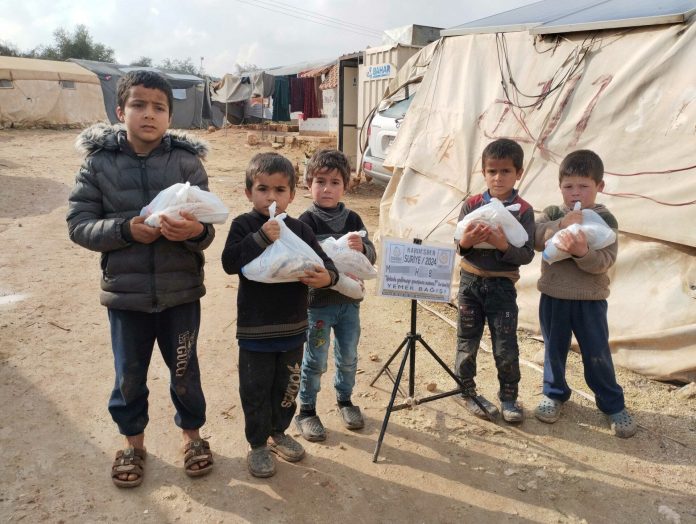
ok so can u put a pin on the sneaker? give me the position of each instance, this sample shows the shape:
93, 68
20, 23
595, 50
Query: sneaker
548, 410
352, 417
260, 462
311, 428
512, 412
475, 409
286, 447
622, 424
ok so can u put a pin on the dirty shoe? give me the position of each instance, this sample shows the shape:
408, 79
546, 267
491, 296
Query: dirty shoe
622, 424
311, 428
351, 416
475, 409
260, 462
512, 412
286, 447
548, 410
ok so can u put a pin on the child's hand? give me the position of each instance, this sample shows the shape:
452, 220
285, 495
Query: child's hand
272, 230
143, 233
475, 233
355, 242
497, 239
576, 245
317, 277
573, 217
181, 229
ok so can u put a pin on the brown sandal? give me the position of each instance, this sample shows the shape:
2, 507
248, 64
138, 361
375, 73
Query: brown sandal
196, 452
128, 461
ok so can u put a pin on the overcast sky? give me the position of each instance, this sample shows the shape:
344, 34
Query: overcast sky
266, 33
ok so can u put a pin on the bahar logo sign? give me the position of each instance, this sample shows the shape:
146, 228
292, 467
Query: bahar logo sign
379, 71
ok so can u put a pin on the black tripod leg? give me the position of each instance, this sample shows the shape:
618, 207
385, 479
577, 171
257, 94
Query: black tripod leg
386, 365
409, 348
455, 377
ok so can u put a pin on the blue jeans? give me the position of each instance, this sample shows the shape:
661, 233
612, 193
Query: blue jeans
133, 336
587, 319
492, 300
345, 321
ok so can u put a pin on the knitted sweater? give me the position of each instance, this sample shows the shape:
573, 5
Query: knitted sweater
335, 223
575, 278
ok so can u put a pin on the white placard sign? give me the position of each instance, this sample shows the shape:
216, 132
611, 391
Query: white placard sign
416, 271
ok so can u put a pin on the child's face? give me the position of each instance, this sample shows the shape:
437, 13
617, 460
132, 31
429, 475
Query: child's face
501, 177
269, 188
580, 189
327, 188
146, 115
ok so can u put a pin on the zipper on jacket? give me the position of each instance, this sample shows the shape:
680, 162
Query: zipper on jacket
146, 199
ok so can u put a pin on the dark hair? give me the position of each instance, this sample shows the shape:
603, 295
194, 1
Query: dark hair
269, 164
327, 160
501, 149
149, 79
582, 162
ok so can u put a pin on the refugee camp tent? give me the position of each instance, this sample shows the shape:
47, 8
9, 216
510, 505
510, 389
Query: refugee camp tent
47, 93
188, 91
233, 92
613, 76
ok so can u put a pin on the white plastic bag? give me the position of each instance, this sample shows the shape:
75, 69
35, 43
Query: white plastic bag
495, 214
285, 260
349, 286
348, 260
599, 235
205, 206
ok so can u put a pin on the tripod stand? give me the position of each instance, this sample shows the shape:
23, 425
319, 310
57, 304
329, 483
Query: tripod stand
409, 343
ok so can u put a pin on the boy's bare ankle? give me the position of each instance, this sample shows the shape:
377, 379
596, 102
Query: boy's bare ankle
136, 441
190, 435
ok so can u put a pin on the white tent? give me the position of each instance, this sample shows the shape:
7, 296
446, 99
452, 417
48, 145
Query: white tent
48, 93
624, 91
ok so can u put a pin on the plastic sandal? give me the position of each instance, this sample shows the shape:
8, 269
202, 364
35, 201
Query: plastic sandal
129, 461
622, 424
311, 428
351, 416
260, 462
198, 452
548, 410
286, 447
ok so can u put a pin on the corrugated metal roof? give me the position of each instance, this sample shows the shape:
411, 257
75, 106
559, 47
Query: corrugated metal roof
553, 16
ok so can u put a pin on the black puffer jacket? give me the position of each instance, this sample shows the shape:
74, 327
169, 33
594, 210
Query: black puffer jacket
112, 186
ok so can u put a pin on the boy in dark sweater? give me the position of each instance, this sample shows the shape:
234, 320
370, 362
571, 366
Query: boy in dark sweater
487, 282
327, 175
271, 318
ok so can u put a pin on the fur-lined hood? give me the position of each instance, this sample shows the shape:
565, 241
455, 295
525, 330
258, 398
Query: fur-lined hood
110, 137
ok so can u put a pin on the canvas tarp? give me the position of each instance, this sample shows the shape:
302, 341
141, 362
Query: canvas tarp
49, 93
632, 99
237, 88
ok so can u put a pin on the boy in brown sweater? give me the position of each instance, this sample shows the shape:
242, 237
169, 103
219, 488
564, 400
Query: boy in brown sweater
573, 297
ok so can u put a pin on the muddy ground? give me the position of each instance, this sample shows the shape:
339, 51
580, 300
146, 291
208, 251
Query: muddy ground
437, 463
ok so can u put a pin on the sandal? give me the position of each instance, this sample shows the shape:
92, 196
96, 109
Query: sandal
311, 428
197, 452
128, 461
622, 424
352, 418
548, 410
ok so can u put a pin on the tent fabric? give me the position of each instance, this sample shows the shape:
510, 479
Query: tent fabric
48, 93
628, 96
237, 88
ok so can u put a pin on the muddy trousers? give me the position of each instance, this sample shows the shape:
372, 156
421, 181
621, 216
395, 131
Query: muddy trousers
587, 319
492, 300
268, 385
133, 336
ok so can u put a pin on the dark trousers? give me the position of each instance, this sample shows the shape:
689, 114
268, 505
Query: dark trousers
133, 335
268, 386
587, 319
492, 300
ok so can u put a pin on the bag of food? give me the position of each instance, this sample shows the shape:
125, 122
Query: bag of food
495, 214
285, 260
205, 206
350, 286
349, 260
599, 235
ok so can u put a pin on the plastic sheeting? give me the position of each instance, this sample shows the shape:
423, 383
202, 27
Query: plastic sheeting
627, 95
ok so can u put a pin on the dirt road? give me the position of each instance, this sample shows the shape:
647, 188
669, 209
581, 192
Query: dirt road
437, 464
